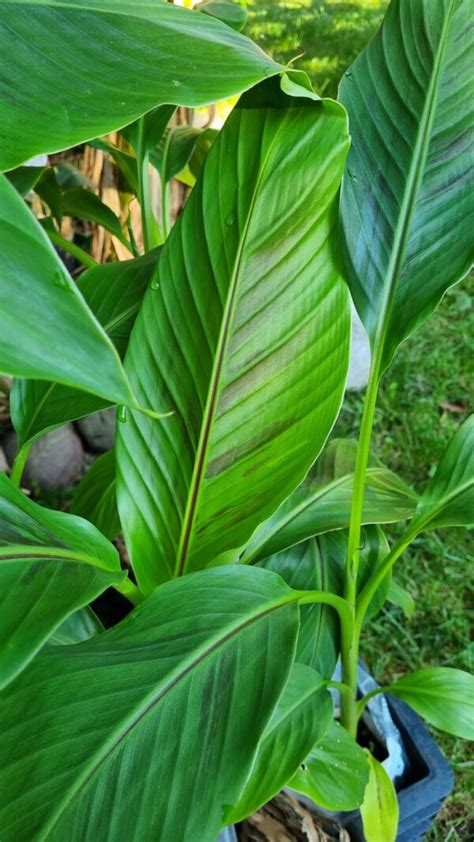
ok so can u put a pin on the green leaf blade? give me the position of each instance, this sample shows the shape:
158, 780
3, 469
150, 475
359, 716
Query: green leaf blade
379, 810
95, 497
323, 502
335, 773
41, 304
231, 14
78, 627
25, 178
113, 292
448, 499
155, 53
442, 695
51, 564
87, 205
301, 719
256, 382
407, 210
162, 697
308, 567
401, 597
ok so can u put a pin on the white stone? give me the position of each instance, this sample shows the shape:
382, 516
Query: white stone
359, 364
37, 161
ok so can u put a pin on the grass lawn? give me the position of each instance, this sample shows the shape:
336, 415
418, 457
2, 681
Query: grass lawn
414, 422
330, 34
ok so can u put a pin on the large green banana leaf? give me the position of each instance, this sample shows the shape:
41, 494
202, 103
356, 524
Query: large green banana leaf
323, 502
149, 730
114, 293
301, 718
243, 335
448, 499
407, 198
46, 329
71, 70
51, 564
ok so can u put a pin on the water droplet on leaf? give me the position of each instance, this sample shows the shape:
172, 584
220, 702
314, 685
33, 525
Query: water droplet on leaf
349, 75
230, 219
155, 284
122, 414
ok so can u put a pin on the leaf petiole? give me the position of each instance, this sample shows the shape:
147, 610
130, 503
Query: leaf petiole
128, 589
19, 463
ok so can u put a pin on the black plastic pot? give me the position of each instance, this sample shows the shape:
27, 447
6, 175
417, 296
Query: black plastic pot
425, 781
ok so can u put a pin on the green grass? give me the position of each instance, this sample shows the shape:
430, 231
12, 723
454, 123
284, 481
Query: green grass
330, 34
413, 424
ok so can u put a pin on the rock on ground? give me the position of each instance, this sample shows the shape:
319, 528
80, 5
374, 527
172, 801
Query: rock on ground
4, 468
56, 459
98, 430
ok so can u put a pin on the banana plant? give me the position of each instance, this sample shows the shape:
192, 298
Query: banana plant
256, 544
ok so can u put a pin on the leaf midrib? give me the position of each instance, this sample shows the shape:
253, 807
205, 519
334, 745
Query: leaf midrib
26, 552
213, 394
154, 698
410, 194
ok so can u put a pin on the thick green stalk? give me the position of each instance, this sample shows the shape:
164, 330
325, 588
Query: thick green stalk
19, 464
362, 703
165, 189
362, 461
130, 591
337, 602
350, 639
144, 196
349, 650
339, 686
